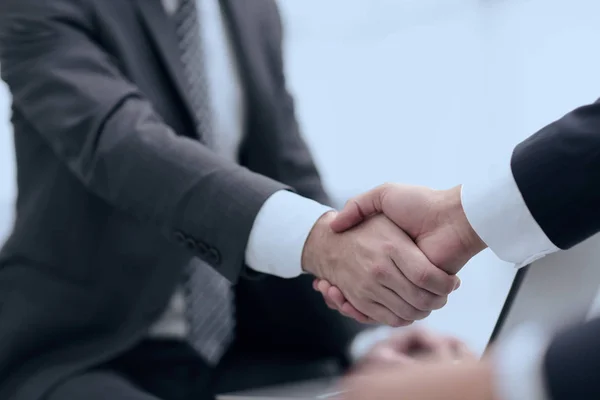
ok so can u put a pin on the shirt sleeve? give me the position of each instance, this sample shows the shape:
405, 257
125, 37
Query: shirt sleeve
518, 365
279, 232
498, 213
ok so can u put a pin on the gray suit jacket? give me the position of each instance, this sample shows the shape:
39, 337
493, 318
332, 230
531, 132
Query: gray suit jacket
116, 192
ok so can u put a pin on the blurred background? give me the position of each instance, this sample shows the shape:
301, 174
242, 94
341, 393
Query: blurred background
423, 92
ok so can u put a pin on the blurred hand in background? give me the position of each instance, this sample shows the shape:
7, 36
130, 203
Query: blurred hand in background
443, 380
410, 347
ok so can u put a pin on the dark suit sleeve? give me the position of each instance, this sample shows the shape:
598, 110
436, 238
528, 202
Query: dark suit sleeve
70, 90
572, 363
298, 167
557, 171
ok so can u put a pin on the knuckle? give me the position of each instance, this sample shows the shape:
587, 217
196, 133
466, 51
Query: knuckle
396, 321
385, 186
443, 300
403, 322
422, 276
350, 202
449, 282
427, 301
379, 272
422, 315
388, 248
413, 313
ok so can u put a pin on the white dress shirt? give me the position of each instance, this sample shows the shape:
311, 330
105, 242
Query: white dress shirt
497, 211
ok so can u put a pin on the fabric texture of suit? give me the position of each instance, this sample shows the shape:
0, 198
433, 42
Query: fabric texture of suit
557, 171
116, 192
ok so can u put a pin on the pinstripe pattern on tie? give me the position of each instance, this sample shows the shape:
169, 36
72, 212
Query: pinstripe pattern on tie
208, 295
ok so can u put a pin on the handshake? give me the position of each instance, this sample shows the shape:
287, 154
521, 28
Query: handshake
392, 254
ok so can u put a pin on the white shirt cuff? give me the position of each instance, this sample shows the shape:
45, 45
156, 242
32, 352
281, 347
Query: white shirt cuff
497, 211
279, 232
518, 362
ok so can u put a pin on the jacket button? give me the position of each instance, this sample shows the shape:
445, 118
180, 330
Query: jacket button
180, 236
215, 256
202, 247
190, 244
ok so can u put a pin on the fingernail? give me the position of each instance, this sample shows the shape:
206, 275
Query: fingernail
457, 285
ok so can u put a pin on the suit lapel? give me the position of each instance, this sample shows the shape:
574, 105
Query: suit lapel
164, 37
244, 43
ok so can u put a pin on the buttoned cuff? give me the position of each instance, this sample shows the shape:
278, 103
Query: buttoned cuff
497, 211
279, 232
518, 365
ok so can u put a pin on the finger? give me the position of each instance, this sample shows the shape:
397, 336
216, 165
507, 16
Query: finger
418, 298
349, 310
315, 284
392, 300
358, 209
458, 283
417, 340
439, 348
445, 352
330, 304
337, 297
387, 355
419, 270
382, 314
323, 288
338, 302
461, 350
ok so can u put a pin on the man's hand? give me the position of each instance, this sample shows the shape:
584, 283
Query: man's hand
378, 268
429, 381
411, 347
434, 219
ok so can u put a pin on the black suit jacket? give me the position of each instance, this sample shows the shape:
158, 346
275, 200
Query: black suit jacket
557, 171
115, 191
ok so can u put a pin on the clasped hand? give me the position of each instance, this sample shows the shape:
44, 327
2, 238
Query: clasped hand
392, 254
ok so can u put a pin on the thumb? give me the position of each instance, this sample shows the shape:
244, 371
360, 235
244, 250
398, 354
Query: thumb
358, 209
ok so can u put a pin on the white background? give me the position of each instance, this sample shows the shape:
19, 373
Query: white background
428, 92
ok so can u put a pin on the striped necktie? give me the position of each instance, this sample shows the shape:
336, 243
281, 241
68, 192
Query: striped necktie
208, 295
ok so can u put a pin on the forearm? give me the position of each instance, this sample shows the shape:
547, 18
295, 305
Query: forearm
178, 185
544, 197
557, 171
66, 87
497, 213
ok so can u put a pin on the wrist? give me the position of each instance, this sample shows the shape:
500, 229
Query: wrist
315, 243
469, 238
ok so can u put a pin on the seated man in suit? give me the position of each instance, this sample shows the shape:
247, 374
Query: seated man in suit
157, 159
